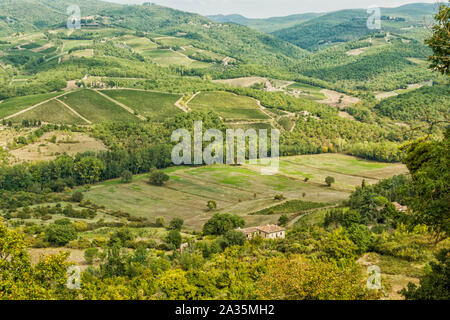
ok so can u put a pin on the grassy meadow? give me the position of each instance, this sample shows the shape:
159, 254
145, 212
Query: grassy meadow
240, 189
228, 106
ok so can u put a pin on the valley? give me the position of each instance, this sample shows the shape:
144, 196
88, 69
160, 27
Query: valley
86, 153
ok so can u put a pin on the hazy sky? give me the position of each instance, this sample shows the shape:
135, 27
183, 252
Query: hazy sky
269, 8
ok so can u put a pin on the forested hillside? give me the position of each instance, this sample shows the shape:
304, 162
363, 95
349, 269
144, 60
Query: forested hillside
347, 25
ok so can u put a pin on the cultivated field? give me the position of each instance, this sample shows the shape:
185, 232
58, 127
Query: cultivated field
155, 105
11, 106
240, 189
229, 106
51, 112
96, 108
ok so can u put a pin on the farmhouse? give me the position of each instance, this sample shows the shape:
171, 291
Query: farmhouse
270, 231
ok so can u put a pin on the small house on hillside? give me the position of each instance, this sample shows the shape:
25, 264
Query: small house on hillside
270, 231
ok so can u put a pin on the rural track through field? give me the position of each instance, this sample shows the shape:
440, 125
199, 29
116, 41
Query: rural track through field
121, 105
308, 212
73, 111
34, 106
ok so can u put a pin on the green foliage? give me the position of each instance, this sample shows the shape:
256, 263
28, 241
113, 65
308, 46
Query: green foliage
90, 255
283, 220
220, 224
127, 176
176, 224
290, 206
60, 234
422, 104
158, 178
233, 238
211, 205
428, 162
173, 239
434, 285
329, 181
77, 196
439, 41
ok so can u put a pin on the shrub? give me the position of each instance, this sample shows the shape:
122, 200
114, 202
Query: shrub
77, 196
90, 254
329, 181
127, 176
176, 224
60, 234
158, 178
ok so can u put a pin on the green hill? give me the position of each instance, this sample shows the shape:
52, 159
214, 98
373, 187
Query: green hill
265, 25
348, 25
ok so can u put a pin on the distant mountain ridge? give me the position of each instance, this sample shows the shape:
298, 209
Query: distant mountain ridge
347, 25
267, 25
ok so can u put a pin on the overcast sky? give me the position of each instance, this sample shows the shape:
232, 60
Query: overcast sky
269, 8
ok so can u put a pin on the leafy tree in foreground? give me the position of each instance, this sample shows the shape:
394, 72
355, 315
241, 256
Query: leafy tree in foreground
428, 162
435, 284
19, 280
440, 41
302, 279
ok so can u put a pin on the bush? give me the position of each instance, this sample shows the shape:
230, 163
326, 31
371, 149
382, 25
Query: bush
127, 176
329, 181
176, 224
160, 223
90, 254
77, 196
173, 239
60, 234
158, 178
234, 238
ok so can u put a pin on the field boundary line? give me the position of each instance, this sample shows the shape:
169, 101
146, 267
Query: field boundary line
120, 105
192, 98
34, 106
73, 111
334, 171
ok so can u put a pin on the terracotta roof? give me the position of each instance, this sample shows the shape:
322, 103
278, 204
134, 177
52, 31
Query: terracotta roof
248, 230
271, 228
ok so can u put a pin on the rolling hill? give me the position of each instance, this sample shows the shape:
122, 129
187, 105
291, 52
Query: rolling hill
267, 25
347, 25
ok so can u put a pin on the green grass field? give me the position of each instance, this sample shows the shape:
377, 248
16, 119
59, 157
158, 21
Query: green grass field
236, 189
165, 58
308, 90
155, 105
51, 112
11, 106
96, 108
140, 44
70, 44
228, 105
